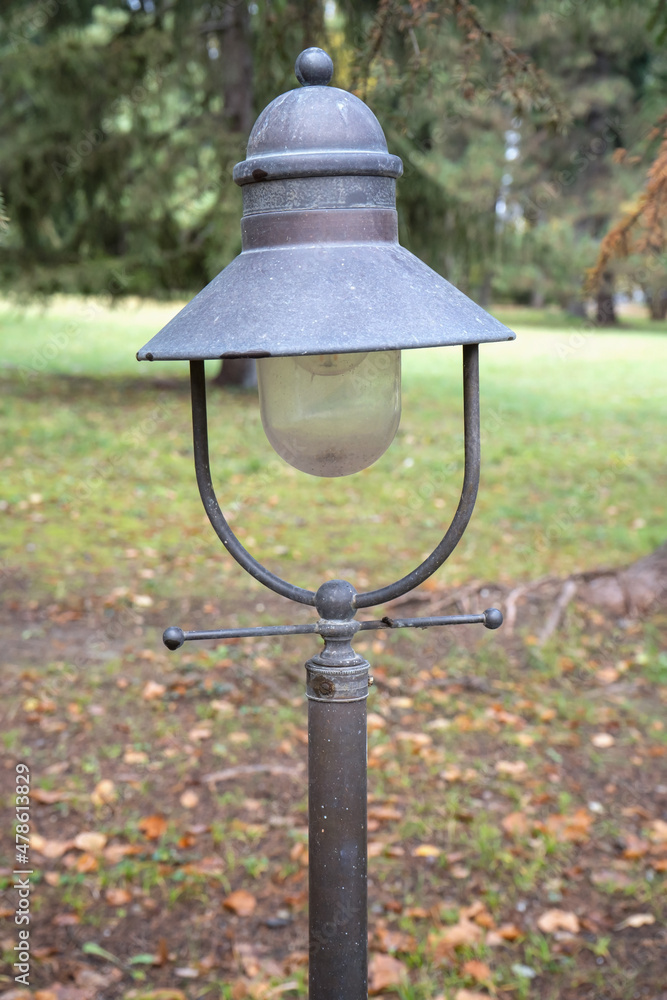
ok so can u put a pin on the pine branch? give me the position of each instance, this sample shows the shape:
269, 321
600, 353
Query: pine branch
650, 210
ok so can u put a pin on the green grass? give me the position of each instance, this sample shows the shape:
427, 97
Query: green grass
98, 463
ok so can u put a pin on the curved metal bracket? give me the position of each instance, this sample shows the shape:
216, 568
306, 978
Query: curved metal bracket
384, 594
468, 492
210, 501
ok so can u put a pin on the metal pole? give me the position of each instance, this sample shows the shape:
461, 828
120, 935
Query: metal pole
337, 809
337, 688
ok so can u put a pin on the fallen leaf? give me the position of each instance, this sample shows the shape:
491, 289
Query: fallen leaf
135, 757
116, 852
189, 799
117, 897
85, 862
417, 739
515, 824
515, 768
602, 740
385, 971
204, 733
470, 995
375, 722
241, 902
426, 851
478, 970
47, 796
636, 920
152, 826
558, 920
574, 827
635, 847
388, 940
383, 813
444, 943
658, 831
49, 848
509, 932
153, 690
90, 841
104, 793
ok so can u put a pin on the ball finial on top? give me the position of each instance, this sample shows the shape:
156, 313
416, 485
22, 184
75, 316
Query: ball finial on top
313, 68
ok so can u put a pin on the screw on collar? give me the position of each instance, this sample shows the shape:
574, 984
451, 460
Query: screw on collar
313, 68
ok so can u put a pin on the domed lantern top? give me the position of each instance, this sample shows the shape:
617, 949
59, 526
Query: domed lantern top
317, 131
321, 270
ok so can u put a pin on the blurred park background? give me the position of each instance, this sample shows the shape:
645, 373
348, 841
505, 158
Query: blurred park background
518, 810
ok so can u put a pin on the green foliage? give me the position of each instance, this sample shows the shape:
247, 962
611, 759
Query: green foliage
121, 125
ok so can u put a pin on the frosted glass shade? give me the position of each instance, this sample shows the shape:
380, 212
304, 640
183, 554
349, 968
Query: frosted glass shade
331, 414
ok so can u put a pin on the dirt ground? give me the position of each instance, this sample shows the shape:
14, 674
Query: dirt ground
517, 805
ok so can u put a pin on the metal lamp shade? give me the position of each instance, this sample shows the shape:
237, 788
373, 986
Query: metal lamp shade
321, 299
321, 270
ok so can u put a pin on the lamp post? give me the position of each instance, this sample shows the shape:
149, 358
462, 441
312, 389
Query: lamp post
325, 298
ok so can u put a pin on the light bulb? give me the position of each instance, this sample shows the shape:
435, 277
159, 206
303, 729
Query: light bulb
331, 414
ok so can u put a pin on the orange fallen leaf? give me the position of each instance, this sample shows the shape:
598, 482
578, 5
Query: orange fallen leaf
49, 848
635, 847
509, 932
558, 920
479, 971
47, 796
515, 824
85, 862
90, 841
385, 971
152, 826
241, 902
116, 852
104, 793
574, 827
426, 851
383, 813
117, 897
443, 944
153, 690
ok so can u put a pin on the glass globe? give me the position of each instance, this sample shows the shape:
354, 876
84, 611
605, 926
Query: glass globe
331, 414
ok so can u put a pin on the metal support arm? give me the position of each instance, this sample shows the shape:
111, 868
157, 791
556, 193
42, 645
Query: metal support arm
174, 637
372, 598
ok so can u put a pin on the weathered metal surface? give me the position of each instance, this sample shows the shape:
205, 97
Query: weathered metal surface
337, 850
472, 448
301, 595
174, 637
338, 286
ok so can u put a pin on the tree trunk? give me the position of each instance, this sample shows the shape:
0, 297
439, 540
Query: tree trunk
606, 312
235, 62
658, 304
